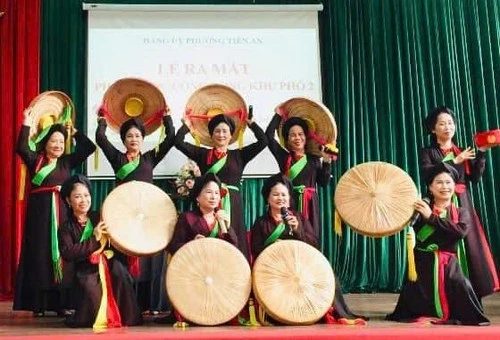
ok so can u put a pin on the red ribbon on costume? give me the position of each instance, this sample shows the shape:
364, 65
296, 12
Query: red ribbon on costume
456, 152
460, 188
214, 153
113, 318
308, 195
134, 266
444, 258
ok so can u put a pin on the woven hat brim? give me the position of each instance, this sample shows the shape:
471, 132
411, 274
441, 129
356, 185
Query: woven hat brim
208, 281
214, 96
294, 282
123, 89
376, 198
48, 103
318, 117
140, 218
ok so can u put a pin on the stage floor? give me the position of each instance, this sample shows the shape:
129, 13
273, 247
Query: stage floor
376, 306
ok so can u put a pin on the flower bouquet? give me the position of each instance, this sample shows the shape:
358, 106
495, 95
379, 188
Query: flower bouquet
186, 178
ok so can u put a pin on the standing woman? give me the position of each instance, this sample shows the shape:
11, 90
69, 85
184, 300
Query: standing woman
227, 164
304, 170
133, 165
40, 269
474, 253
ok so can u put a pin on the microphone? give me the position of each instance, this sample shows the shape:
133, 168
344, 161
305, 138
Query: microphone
250, 112
284, 215
222, 223
416, 215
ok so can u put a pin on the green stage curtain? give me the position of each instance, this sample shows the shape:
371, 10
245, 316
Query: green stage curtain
385, 64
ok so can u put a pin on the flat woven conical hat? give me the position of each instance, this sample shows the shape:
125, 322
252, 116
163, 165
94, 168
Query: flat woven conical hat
294, 282
48, 108
319, 119
208, 281
140, 218
209, 101
134, 98
376, 198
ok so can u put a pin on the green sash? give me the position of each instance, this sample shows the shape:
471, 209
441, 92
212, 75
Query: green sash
127, 168
427, 230
277, 232
87, 231
43, 173
297, 167
215, 230
215, 168
226, 200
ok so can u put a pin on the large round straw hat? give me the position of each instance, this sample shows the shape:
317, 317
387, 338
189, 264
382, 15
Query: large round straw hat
140, 218
48, 108
376, 198
208, 281
318, 117
134, 98
294, 282
211, 100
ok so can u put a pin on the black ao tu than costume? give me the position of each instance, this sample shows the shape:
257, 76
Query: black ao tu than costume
479, 261
151, 291
315, 172
35, 287
441, 290
88, 281
264, 227
229, 175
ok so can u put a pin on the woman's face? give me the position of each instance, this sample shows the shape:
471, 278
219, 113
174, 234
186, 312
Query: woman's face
442, 187
296, 138
278, 197
445, 127
221, 135
79, 200
209, 197
54, 148
133, 139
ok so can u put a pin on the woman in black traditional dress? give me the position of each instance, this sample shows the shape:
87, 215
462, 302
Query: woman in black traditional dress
79, 240
136, 166
227, 164
474, 251
206, 219
441, 292
270, 227
40, 270
304, 170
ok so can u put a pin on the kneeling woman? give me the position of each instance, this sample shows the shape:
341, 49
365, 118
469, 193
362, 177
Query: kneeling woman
79, 241
206, 220
441, 292
270, 227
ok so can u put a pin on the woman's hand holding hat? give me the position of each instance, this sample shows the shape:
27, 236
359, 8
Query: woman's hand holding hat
99, 230
27, 119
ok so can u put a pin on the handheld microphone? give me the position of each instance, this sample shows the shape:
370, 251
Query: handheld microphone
222, 223
284, 215
250, 112
416, 215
